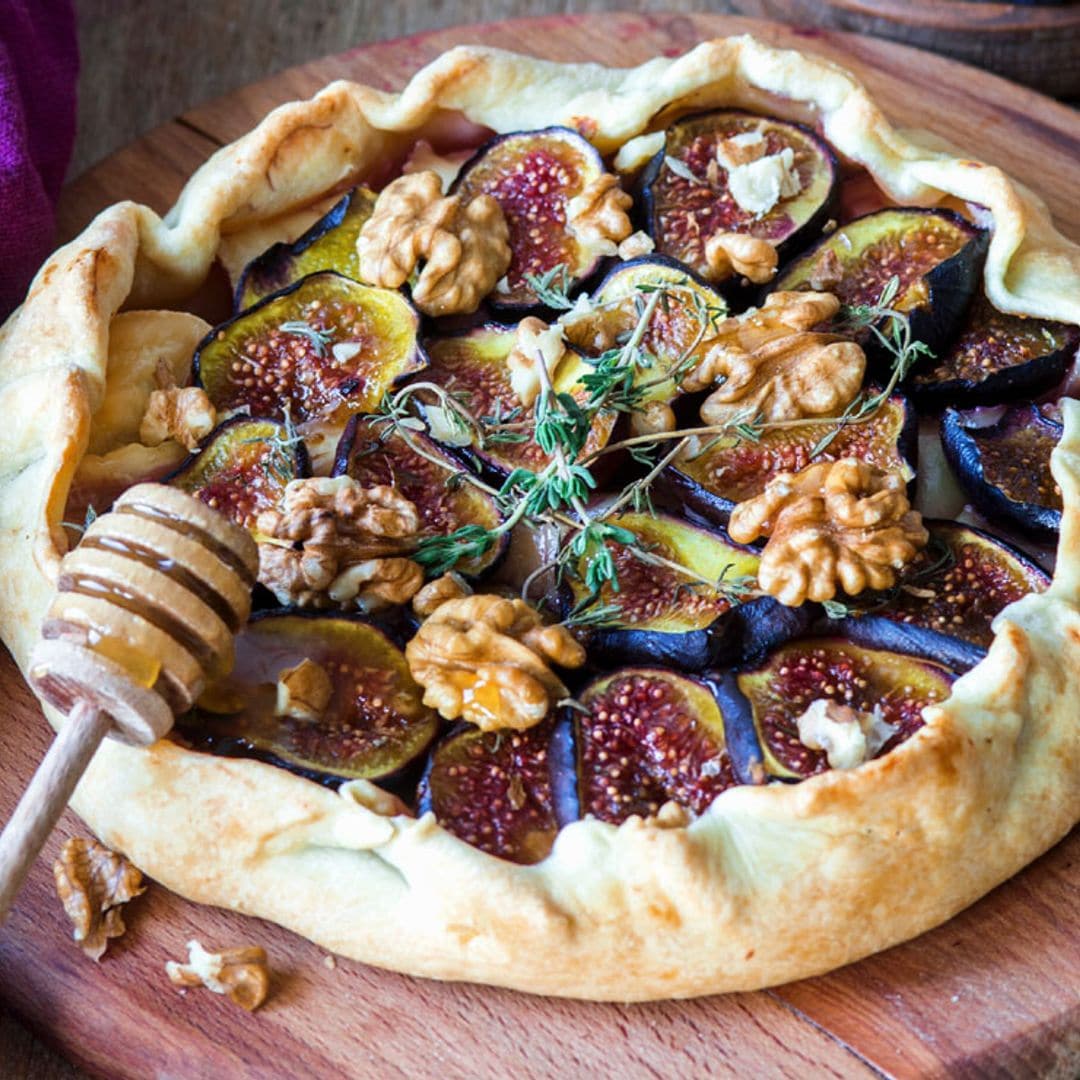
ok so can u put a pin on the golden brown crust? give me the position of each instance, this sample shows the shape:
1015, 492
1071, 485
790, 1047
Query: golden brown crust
771, 883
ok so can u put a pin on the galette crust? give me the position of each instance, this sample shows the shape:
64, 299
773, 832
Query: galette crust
772, 883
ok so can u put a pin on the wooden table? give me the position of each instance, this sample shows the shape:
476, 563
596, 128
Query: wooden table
995, 988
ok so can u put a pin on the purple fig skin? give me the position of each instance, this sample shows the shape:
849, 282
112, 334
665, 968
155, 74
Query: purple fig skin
876, 632
347, 445
951, 284
522, 300
743, 746
963, 450
788, 243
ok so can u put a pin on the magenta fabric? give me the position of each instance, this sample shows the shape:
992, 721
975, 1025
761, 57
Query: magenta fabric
39, 65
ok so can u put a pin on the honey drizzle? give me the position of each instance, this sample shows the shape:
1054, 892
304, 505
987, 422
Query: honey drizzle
187, 528
171, 569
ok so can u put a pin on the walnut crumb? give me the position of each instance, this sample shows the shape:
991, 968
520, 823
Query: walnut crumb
451, 586
464, 246
240, 974
485, 659
183, 413
845, 524
769, 363
92, 883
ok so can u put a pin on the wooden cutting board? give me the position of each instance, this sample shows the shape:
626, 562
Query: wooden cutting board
997, 989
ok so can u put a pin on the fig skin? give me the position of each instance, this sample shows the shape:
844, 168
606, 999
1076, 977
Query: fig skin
869, 659
1035, 508
1040, 354
441, 510
677, 489
531, 254
330, 244
528, 776
241, 492
935, 301
788, 236
986, 574
674, 748
236, 717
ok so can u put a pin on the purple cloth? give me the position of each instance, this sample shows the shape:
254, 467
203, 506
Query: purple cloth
39, 64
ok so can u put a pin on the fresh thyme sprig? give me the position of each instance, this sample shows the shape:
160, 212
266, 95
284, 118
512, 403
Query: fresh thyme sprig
551, 287
319, 339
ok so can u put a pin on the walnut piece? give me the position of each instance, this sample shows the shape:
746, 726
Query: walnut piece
485, 658
303, 691
840, 523
741, 149
738, 253
183, 413
327, 525
464, 246
241, 974
772, 365
848, 736
827, 271
597, 217
635, 245
92, 882
652, 418
535, 343
450, 586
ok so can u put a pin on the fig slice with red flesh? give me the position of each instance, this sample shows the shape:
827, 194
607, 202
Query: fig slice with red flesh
372, 453
505, 792
374, 726
647, 736
1004, 468
662, 616
330, 244
320, 350
935, 255
533, 175
243, 467
473, 365
996, 358
772, 696
732, 468
956, 585
688, 199
678, 329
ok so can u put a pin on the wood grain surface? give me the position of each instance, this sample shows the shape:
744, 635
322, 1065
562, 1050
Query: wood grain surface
1038, 46
993, 992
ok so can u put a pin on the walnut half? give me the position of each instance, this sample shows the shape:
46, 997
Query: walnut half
771, 364
92, 883
845, 524
241, 974
485, 658
464, 246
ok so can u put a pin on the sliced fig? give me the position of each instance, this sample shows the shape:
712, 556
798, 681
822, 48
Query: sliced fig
322, 349
647, 736
473, 364
958, 584
868, 680
533, 175
662, 616
678, 328
505, 792
374, 725
1005, 468
934, 254
997, 358
243, 466
733, 469
372, 453
330, 244
688, 197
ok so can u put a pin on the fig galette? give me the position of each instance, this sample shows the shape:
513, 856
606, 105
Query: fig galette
623, 627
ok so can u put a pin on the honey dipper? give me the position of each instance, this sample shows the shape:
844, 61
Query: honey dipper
147, 606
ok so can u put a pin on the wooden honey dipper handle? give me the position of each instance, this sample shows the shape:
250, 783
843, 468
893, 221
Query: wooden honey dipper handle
146, 606
49, 792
